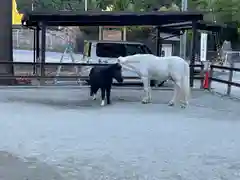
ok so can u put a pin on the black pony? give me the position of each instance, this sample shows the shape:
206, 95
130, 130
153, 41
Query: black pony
102, 77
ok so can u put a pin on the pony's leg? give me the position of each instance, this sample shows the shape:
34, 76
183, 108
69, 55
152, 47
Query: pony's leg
184, 102
94, 97
183, 92
91, 90
183, 99
103, 96
108, 90
146, 87
175, 94
94, 92
173, 101
149, 94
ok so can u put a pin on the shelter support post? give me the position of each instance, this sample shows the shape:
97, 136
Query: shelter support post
37, 33
34, 51
193, 52
230, 77
43, 49
6, 52
158, 41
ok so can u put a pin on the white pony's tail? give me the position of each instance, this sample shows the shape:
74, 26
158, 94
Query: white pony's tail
186, 81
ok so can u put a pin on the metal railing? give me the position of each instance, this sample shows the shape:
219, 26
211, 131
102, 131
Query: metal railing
229, 82
43, 74
23, 39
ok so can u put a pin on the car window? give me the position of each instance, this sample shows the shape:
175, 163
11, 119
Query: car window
132, 49
111, 50
114, 50
146, 49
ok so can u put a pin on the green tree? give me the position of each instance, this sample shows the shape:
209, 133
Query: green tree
74, 5
220, 11
171, 7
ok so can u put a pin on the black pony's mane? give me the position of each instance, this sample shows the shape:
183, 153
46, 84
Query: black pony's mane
115, 66
107, 69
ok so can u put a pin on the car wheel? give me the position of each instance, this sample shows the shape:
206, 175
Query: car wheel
87, 81
161, 84
153, 83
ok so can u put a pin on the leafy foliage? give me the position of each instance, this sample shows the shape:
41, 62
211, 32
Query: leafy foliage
220, 11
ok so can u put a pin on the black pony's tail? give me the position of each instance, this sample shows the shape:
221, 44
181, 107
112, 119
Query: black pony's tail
91, 91
91, 86
91, 71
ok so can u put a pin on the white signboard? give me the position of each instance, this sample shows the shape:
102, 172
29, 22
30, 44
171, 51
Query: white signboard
113, 35
203, 48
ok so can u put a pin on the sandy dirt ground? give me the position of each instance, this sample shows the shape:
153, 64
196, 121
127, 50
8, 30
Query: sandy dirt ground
61, 133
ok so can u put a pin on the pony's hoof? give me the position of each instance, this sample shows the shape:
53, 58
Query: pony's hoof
94, 97
183, 106
145, 102
171, 103
102, 103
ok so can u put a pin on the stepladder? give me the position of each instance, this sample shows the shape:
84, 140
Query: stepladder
66, 56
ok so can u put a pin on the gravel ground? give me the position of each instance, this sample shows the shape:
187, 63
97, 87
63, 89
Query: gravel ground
69, 136
15, 168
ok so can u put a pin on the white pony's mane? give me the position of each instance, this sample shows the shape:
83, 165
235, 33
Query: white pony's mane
127, 59
124, 61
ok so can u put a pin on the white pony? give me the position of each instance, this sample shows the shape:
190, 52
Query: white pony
148, 67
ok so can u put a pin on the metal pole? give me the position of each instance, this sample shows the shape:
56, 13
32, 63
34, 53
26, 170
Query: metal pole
158, 42
32, 5
34, 51
202, 76
17, 38
34, 44
193, 51
124, 33
230, 77
85, 5
100, 34
183, 38
37, 49
210, 77
43, 49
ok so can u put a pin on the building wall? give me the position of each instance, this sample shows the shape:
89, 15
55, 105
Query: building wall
23, 39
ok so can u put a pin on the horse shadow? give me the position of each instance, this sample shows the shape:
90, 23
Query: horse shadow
58, 103
84, 101
124, 99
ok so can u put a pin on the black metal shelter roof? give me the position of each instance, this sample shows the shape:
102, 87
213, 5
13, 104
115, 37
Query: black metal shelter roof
64, 18
200, 25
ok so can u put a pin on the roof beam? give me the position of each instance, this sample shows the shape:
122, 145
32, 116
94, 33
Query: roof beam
108, 18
